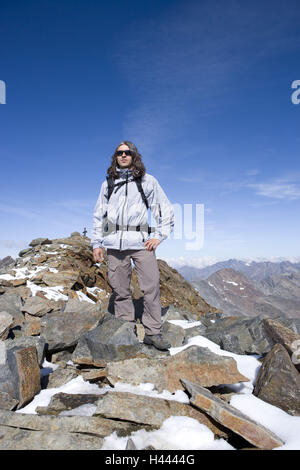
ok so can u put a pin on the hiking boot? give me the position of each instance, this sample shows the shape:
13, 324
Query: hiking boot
157, 341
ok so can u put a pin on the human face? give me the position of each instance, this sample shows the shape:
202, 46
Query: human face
124, 161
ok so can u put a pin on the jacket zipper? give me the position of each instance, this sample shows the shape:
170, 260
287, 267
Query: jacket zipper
126, 193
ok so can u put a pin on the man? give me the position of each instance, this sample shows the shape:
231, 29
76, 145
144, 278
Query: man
121, 226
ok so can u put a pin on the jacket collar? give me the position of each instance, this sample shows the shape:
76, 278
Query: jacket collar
123, 172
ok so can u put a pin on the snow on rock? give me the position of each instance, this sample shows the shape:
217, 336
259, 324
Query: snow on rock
176, 432
82, 297
185, 324
51, 293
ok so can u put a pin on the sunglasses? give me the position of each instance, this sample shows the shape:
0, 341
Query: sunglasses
119, 153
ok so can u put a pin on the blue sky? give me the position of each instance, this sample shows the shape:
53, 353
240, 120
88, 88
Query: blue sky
202, 88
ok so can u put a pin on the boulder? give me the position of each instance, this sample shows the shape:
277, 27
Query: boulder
194, 363
279, 333
40, 241
61, 376
36, 306
76, 305
12, 282
20, 374
12, 304
278, 381
25, 252
113, 339
66, 278
149, 411
61, 356
27, 341
32, 326
171, 312
239, 335
75, 234
72, 241
174, 334
84, 356
93, 375
66, 402
247, 335
22, 291
231, 417
62, 330
6, 321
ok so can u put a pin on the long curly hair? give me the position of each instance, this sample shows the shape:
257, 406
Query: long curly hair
138, 168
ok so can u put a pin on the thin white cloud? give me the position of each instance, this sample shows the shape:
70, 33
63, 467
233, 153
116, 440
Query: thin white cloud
277, 189
263, 203
79, 207
252, 172
17, 244
286, 187
194, 262
9, 209
61, 216
73, 203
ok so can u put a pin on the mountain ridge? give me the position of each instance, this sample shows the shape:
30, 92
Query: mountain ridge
237, 294
257, 270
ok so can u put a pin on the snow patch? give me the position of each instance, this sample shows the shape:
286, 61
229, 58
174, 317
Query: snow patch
185, 324
82, 297
231, 282
51, 293
176, 432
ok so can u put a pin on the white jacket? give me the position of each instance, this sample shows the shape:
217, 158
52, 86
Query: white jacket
127, 208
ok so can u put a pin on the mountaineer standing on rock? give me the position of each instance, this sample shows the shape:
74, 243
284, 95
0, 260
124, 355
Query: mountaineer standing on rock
120, 225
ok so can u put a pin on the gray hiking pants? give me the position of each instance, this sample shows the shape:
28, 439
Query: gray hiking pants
119, 276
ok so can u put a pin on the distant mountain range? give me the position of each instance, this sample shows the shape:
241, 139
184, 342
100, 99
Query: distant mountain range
253, 270
240, 288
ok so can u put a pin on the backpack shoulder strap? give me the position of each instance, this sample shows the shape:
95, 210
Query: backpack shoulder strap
138, 181
110, 186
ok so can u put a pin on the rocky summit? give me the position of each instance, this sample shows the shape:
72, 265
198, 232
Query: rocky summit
57, 328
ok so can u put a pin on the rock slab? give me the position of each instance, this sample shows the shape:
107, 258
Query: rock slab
150, 411
19, 431
194, 363
20, 374
232, 418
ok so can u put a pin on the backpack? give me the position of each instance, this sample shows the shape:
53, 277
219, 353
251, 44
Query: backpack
138, 179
